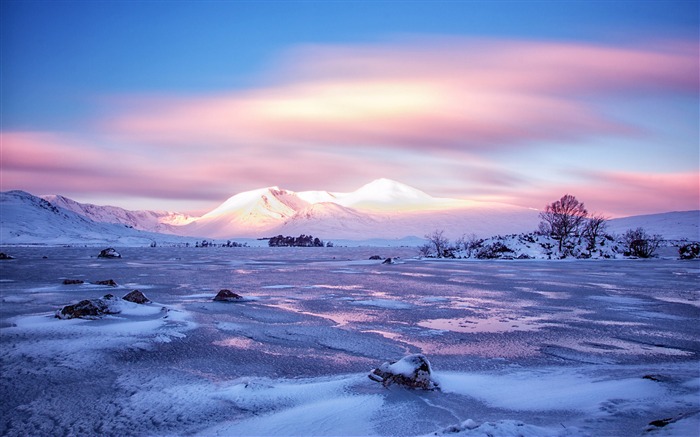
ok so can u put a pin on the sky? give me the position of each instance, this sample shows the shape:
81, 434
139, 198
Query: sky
178, 105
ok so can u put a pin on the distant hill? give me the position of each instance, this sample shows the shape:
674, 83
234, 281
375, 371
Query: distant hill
381, 210
28, 219
676, 225
151, 221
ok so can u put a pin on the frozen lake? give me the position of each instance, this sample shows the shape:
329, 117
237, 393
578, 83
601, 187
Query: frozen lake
519, 347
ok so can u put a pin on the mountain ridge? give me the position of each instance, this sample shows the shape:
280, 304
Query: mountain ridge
380, 209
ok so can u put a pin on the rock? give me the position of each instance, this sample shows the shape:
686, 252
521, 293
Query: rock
73, 281
109, 253
136, 297
89, 308
388, 261
412, 371
3, 255
375, 257
109, 282
227, 296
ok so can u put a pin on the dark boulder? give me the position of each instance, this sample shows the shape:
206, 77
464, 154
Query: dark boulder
73, 281
3, 255
109, 282
411, 371
89, 308
136, 297
227, 296
110, 252
388, 261
375, 257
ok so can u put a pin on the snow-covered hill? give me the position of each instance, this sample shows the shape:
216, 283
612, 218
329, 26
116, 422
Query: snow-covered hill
676, 225
381, 209
151, 221
28, 219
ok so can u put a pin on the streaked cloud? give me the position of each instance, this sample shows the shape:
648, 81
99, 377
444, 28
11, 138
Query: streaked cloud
439, 93
433, 113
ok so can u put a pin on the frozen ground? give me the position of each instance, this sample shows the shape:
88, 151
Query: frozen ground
519, 347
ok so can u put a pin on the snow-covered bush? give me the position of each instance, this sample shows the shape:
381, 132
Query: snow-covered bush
494, 250
639, 244
689, 251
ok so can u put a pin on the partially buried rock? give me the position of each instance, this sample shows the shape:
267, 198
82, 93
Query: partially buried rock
227, 296
375, 257
3, 255
136, 297
109, 282
89, 308
110, 252
389, 261
73, 281
412, 371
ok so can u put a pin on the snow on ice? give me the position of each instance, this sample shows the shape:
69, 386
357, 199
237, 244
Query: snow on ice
532, 348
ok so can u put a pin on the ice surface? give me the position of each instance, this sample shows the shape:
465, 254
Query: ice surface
558, 348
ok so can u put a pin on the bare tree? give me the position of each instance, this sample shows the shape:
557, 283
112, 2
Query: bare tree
640, 244
438, 240
563, 218
593, 228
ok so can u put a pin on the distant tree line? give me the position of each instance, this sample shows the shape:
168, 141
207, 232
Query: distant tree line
300, 241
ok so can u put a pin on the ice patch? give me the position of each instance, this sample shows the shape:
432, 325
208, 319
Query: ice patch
384, 303
16, 299
549, 389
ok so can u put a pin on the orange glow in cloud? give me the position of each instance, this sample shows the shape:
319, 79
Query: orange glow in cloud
416, 111
445, 94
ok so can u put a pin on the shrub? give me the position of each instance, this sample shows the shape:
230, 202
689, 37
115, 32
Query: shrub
640, 244
689, 251
493, 250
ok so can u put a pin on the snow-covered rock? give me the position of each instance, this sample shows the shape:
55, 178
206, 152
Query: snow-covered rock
3, 255
110, 252
412, 371
227, 296
90, 308
136, 297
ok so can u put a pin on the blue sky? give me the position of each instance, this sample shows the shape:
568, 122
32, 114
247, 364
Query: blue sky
99, 79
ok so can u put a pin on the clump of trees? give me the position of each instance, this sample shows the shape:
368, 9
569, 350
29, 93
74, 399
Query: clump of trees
563, 218
640, 244
300, 241
568, 218
438, 242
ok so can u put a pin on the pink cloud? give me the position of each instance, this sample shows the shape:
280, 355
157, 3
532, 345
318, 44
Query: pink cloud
53, 163
442, 93
618, 194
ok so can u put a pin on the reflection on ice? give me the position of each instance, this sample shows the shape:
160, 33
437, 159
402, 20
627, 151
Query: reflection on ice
489, 324
545, 348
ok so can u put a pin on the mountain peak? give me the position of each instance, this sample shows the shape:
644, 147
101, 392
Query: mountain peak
387, 195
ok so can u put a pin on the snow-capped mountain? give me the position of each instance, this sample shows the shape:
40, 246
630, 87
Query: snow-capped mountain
387, 195
248, 214
151, 221
28, 219
380, 209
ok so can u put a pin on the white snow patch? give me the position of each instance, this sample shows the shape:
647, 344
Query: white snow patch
547, 390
